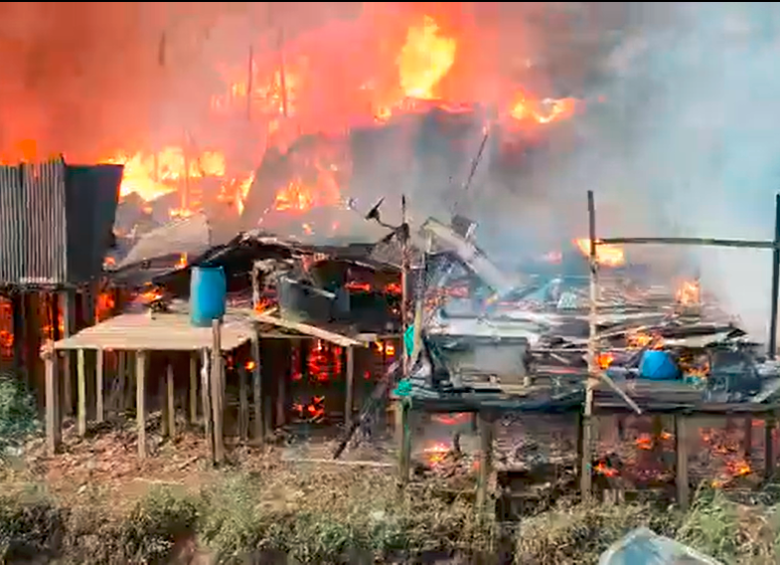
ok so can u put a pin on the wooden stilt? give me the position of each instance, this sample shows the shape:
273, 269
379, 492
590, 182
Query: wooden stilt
161, 398
485, 463
53, 421
770, 423
17, 323
243, 404
681, 450
257, 389
350, 385
217, 391
99, 408
281, 400
193, 392
205, 391
405, 448
171, 402
82, 393
140, 401
747, 443
67, 304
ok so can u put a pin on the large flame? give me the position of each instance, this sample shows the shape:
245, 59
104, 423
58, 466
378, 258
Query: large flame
607, 255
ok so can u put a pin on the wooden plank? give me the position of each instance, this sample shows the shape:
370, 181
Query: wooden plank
140, 401
99, 408
171, 402
350, 385
306, 329
82, 393
257, 390
703, 241
217, 391
681, 450
243, 404
53, 424
405, 447
193, 391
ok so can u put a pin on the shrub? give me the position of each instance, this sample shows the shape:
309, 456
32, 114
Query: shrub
29, 528
18, 414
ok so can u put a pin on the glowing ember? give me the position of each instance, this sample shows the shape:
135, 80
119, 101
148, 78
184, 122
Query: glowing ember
385, 348
604, 360
607, 255
544, 112
602, 468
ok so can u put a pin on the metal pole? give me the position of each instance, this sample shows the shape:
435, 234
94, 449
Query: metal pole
775, 283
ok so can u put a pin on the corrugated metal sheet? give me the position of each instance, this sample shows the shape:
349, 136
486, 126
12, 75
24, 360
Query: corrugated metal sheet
32, 224
92, 196
51, 220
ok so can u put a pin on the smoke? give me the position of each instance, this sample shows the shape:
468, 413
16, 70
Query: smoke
685, 143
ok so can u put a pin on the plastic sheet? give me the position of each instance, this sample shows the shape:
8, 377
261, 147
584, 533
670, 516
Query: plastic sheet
644, 547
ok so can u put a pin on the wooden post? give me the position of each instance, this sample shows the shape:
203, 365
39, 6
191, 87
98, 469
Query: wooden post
140, 401
217, 390
586, 477
681, 450
404, 288
67, 304
257, 388
350, 384
193, 388
171, 402
161, 398
485, 462
243, 404
99, 408
53, 421
747, 440
17, 323
281, 386
405, 448
82, 394
769, 446
205, 391
772, 344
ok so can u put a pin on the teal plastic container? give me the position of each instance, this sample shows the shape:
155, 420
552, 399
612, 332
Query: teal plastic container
208, 292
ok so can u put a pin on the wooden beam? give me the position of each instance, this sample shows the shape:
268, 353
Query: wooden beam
217, 391
82, 393
702, 241
67, 305
257, 390
681, 451
171, 402
140, 401
193, 390
53, 422
243, 404
586, 475
350, 385
305, 329
99, 408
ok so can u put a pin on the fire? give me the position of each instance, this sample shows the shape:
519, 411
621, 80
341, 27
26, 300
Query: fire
182, 262
385, 348
602, 468
688, 293
425, 59
436, 453
604, 360
250, 365
544, 112
607, 255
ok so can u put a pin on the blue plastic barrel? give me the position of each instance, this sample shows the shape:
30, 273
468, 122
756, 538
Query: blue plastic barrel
658, 366
208, 290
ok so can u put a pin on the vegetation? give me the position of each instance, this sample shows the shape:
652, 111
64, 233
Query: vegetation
18, 414
355, 517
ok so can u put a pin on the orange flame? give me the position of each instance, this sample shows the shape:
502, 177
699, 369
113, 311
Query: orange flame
607, 255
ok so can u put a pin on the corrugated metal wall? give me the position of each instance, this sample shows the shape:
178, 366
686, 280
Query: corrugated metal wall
32, 224
55, 222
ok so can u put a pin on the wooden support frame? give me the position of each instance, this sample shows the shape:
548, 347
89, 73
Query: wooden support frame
243, 404
217, 392
67, 305
405, 447
193, 389
99, 398
486, 435
170, 402
205, 391
140, 400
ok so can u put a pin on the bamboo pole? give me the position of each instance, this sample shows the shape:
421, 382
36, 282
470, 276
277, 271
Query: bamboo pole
217, 390
587, 423
404, 286
702, 241
140, 401
772, 344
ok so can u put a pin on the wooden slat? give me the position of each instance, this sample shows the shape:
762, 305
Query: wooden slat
306, 329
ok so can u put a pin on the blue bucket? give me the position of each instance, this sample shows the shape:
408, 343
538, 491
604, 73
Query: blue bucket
208, 292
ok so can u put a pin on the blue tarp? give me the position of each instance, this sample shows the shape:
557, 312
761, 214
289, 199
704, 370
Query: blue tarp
644, 547
658, 366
